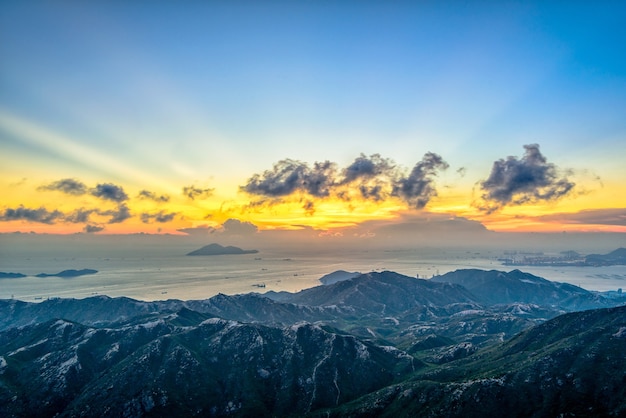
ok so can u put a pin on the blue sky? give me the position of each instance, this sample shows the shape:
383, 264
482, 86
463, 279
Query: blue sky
162, 93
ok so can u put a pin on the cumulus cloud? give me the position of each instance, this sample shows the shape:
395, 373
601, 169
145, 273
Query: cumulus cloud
41, 215
90, 229
237, 227
365, 167
67, 186
79, 216
109, 191
160, 217
417, 188
529, 179
193, 192
370, 177
146, 194
120, 214
289, 176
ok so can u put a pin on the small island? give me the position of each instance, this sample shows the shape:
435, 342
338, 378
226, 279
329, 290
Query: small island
216, 249
69, 273
4, 275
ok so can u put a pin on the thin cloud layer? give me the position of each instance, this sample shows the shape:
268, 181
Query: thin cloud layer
159, 217
612, 216
517, 181
68, 186
373, 178
146, 194
193, 192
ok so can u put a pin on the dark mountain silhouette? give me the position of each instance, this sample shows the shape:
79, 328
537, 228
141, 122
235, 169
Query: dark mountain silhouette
380, 344
338, 276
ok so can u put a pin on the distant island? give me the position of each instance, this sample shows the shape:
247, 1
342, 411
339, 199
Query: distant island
69, 273
4, 275
216, 249
569, 259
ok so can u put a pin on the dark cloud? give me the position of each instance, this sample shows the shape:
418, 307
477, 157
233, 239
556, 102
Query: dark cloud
193, 192
41, 215
289, 176
118, 215
372, 178
365, 167
68, 186
90, 229
613, 216
160, 217
309, 207
109, 191
418, 187
518, 181
146, 194
79, 216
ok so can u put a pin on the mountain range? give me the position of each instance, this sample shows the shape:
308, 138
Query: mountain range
467, 343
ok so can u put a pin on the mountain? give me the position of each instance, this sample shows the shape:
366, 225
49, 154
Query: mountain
617, 257
572, 365
68, 273
384, 293
338, 276
186, 364
498, 287
216, 249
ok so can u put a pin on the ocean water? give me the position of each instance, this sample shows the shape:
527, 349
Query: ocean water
159, 274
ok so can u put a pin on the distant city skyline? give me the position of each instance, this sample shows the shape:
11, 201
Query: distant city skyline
347, 118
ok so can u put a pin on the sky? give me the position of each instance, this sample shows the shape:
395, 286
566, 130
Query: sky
335, 117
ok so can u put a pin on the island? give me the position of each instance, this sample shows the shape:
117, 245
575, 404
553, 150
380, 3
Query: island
216, 249
69, 273
4, 275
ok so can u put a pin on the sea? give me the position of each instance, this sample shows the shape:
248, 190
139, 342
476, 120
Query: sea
163, 274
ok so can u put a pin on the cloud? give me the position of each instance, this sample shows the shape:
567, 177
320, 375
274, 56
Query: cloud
237, 227
41, 215
198, 231
368, 167
417, 189
526, 180
79, 216
193, 192
372, 178
146, 194
612, 216
109, 191
160, 217
67, 186
117, 216
90, 229
289, 176
309, 207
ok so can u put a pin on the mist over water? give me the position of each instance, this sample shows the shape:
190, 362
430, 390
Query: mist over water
165, 272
